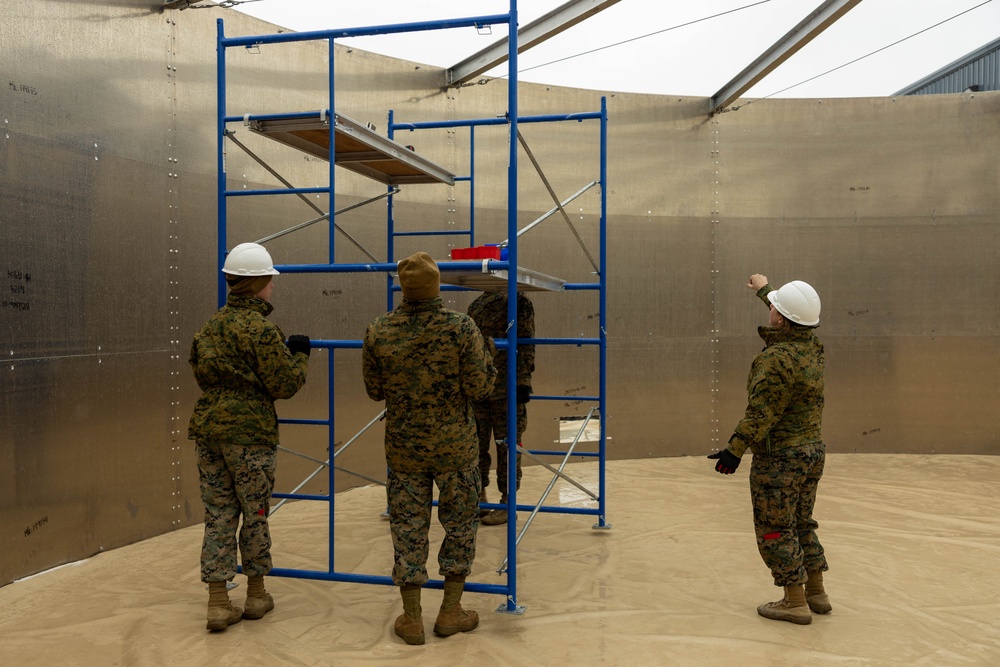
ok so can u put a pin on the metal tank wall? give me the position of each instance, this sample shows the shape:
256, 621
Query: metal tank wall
108, 238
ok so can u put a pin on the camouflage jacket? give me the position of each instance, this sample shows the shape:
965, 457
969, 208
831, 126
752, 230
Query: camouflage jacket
489, 311
242, 366
785, 392
427, 363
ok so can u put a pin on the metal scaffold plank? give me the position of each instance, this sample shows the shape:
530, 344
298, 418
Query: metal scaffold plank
357, 148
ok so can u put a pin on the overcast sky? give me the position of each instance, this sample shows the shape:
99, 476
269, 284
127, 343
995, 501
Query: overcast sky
679, 47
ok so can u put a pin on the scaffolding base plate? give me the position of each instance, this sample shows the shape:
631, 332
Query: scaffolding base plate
518, 609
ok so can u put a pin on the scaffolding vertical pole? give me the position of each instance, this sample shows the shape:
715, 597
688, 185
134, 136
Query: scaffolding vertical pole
332, 156
331, 560
331, 205
220, 128
390, 228
512, 204
603, 333
472, 185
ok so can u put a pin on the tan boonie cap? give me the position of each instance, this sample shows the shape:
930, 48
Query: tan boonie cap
419, 277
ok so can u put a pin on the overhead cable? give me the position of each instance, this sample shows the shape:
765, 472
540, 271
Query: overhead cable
888, 46
635, 39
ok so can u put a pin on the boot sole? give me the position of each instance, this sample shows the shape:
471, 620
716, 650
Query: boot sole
217, 626
448, 631
411, 640
798, 620
256, 615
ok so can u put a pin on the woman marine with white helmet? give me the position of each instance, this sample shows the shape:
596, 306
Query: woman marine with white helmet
782, 426
242, 364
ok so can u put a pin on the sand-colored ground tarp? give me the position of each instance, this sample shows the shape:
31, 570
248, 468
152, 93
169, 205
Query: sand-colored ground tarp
913, 544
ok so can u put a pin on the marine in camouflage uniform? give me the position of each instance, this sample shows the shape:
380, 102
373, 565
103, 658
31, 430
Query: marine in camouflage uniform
782, 426
242, 366
428, 364
489, 311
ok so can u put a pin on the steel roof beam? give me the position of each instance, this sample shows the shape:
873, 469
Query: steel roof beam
179, 4
536, 32
819, 20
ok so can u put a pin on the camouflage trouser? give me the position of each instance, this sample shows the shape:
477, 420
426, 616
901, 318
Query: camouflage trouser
783, 490
235, 480
491, 420
410, 499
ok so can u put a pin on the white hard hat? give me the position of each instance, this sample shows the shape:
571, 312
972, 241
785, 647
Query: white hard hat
249, 259
797, 301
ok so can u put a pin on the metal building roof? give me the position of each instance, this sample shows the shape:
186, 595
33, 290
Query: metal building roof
978, 70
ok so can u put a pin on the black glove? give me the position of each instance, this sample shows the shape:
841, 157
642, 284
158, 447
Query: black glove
728, 462
299, 343
523, 393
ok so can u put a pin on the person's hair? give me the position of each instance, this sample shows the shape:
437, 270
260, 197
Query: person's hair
247, 285
796, 326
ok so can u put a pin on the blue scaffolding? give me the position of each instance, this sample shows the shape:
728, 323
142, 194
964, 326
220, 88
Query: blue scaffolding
416, 170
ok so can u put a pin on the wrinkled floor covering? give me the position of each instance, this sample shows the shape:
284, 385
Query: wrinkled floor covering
913, 542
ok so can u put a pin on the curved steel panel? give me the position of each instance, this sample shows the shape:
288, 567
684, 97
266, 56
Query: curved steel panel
107, 246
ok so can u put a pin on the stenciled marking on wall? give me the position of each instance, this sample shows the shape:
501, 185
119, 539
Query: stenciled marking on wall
857, 313
15, 297
571, 392
35, 526
21, 88
870, 432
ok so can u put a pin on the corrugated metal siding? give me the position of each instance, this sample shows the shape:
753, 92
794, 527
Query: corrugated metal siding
981, 69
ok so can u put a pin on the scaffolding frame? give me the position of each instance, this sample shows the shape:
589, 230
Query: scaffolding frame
507, 270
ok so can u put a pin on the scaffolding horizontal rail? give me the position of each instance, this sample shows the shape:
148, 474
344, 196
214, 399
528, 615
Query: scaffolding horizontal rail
366, 31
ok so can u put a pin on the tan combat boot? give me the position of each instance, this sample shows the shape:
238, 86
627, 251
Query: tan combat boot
496, 517
452, 619
791, 608
410, 624
816, 597
221, 614
259, 601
